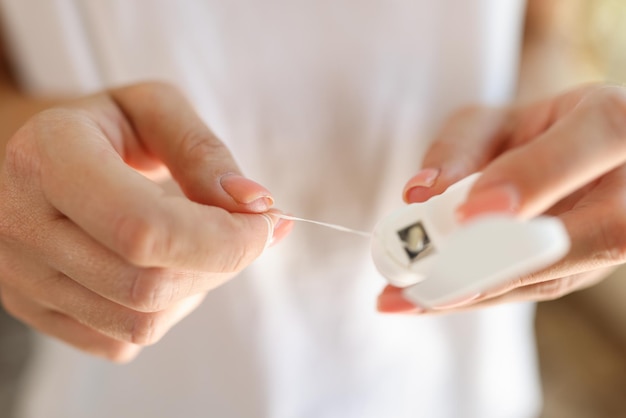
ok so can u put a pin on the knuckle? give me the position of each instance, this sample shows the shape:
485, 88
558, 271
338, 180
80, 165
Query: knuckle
25, 152
516, 283
611, 103
147, 328
154, 93
236, 259
553, 289
21, 158
57, 118
152, 290
197, 145
139, 240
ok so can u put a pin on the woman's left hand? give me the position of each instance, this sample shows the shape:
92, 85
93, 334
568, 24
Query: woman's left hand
565, 157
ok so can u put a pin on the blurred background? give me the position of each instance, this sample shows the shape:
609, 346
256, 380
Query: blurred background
582, 352
582, 337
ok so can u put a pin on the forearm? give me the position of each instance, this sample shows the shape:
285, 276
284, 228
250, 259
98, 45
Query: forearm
15, 107
15, 110
556, 54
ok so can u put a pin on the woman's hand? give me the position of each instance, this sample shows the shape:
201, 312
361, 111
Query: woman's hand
92, 250
565, 156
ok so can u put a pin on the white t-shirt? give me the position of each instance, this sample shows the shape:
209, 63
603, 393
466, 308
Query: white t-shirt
330, 104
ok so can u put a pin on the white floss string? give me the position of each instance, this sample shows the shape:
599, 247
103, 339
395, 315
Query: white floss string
324, 224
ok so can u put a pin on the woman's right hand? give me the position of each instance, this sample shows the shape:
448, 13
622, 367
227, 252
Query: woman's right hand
92, 251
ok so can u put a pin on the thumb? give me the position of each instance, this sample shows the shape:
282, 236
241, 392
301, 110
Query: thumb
168, 128
468, 141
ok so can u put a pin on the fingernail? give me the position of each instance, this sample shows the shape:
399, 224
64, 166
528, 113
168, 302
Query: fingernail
394, 303
501, 199
260, 205
456, 303
419, 184
246, 192
281, 227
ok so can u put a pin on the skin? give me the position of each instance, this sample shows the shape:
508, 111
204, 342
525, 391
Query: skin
94, 252
111, 271
563, 156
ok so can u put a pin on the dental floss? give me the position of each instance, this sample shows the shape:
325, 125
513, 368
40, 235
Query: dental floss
324, 224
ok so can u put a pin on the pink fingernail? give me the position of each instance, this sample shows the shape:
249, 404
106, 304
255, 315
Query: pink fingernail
281, 229
395, 303
501, 199
246, 192
261, 204
419, 184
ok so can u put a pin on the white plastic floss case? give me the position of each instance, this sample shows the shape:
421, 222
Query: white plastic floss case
423, 249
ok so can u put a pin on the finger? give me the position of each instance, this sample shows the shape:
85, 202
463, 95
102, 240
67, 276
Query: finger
281, 228
67, 249
598, 242
537, 292
56, 243
165, 124
55, 291
469, 140
66, 329
596, 227
89, 183
591, 258
544, 291
59, 293
588, 142
536, 118
391, 301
